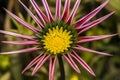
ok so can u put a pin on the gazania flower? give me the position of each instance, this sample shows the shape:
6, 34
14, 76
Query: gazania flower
58, 36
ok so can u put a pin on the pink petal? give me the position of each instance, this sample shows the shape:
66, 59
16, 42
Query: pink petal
93, 23
82, 62
47, 10
65, 13
22, 51
17, 35
40, 63
92, 51
52, 67
22, 22
75, 8
58, 8
71, 62
94, 38
32, 15
39, 12
20, 42
86, 18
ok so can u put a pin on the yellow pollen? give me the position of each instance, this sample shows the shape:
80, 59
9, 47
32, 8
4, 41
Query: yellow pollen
57, 40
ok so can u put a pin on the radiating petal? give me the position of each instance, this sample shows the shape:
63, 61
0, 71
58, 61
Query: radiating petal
75, 8
86, 18
58, 9
39, 12
52, 67
47, 9
94, 38
22, 51
93, 23
17, 35
65, 13
22, 22
40, 63
82, 62
32, 15
92, 51
71, 62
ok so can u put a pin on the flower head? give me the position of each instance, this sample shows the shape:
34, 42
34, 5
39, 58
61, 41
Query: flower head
57, 36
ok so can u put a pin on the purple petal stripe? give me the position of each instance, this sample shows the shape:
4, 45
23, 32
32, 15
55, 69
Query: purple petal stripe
92, 51
93, 23
71, 62
22, 22
58, 8
22, 51
49, 14
83, 63
86, 18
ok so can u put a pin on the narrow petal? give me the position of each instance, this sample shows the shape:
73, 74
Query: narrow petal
40, 63
71, 62
17, 35
65, 13
49, 14
22, 22
52, 67
32, 15
33, 62
75, 8
22, 51
86, 18
93, 23
58, 8
94, 38
92, 51
82, 62
20, 42
39, 12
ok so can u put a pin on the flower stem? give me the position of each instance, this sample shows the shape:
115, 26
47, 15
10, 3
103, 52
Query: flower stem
62, 71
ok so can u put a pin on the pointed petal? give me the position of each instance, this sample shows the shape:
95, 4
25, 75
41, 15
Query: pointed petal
82, 62
71, 62
49, 14
93, 23
52, 67
94, 38
39, 12
20, 42
86, 18
65, 13
58, 8
75, 8
40, 63
22, 51
32, 15
92, 51
22, 22
17, 35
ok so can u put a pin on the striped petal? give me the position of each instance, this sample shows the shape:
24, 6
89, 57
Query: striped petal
92, 51
39, 12
82, 62
86, 18
22, 51
94, 38
71, 62
75, 8
32, 15
17, 35
58, 8
49, 14
22, 22
52, 67
65, 13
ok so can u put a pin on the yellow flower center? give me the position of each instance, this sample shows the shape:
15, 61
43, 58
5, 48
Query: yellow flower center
57, 40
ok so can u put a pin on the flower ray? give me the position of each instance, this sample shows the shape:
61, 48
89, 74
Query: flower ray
58, 9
